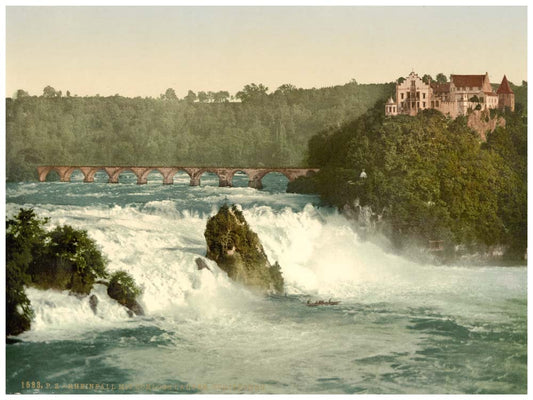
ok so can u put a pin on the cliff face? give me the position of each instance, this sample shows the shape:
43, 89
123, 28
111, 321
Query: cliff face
237, 250
482, 123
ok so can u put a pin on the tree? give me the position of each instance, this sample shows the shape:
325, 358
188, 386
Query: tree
19, 94
24, 238
71, 260
441, 78
400, 80
202, 97
49, 92
252, 93
191, 97
170, 94
285, 88
221, 96
427, 79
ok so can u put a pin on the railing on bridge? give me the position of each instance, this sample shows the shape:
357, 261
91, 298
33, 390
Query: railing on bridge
225, 175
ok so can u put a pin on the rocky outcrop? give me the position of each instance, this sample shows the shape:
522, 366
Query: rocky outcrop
201, 264
237, 250
93, 303
482, 123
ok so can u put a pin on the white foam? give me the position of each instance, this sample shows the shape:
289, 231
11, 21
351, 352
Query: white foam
319, 252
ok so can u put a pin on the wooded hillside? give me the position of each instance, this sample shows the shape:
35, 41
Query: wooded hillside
261, 130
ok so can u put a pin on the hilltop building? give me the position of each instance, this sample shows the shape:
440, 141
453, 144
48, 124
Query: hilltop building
454, 98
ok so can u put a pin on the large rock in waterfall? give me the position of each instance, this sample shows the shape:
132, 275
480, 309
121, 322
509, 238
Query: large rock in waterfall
237, 251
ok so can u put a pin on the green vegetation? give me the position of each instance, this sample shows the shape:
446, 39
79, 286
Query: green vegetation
237, 251
63, 259
24, 238
123, 289
429, 177
201, 129
69, 260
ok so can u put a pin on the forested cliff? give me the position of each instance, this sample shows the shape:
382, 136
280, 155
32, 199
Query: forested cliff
428, 178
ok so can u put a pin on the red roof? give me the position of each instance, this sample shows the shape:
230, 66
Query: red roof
467, 80
440, 87
504, 87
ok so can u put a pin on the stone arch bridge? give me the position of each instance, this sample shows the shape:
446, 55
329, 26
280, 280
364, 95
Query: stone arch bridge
225, 175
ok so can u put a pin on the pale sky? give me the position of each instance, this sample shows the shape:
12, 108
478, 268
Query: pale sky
142, 51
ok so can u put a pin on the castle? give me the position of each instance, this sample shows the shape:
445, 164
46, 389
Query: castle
454, 98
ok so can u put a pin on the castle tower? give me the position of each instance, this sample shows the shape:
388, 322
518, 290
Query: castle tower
391, 108
505, 95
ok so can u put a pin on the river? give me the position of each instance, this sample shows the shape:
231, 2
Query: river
400, 327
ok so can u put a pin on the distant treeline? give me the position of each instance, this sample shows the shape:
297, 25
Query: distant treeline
261, 129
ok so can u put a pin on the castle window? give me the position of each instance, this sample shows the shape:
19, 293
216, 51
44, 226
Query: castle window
423, 95
436, 104
424, 104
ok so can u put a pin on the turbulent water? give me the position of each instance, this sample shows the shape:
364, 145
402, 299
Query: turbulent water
400, 327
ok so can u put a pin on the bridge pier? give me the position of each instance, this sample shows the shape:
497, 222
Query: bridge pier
225, 177
255, 183
168, 175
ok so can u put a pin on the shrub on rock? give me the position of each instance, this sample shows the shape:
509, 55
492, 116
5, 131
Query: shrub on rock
62, 259
123, 289
71, 261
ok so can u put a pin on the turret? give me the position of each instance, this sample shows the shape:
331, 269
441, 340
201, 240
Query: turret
391, 107
505, 95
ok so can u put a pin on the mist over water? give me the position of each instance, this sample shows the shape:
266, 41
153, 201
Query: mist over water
400, 327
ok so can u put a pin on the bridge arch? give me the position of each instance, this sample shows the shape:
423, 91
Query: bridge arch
142, 175
197, 178
44, 171
51, 175
267, 179
91, 174
179, 175
127, 175
72, 172
240, 181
